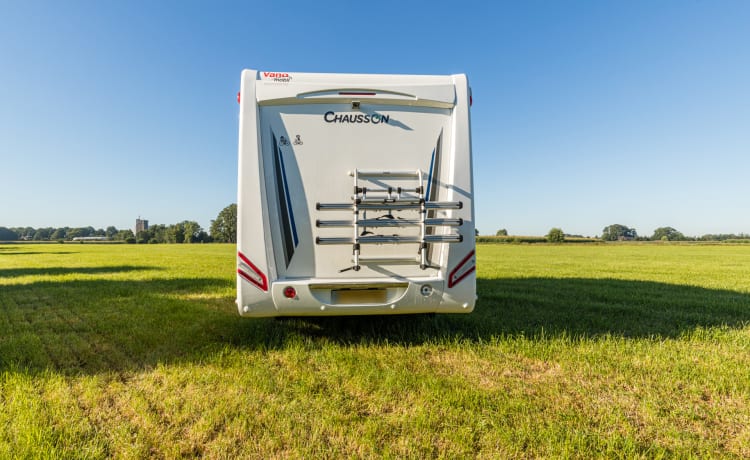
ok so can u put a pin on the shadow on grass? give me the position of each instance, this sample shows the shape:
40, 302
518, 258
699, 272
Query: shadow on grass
53, 271
536, 307
90, 326
17, 253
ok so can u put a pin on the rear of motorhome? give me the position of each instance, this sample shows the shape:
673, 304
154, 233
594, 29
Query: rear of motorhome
355, 195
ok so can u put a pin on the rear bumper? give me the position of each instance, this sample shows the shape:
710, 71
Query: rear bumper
320, 297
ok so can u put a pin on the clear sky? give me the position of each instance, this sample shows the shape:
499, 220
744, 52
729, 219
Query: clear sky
586, 113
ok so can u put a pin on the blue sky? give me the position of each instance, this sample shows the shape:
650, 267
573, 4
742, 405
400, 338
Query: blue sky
585, 113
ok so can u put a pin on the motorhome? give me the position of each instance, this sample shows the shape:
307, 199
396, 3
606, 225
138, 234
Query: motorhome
355, 195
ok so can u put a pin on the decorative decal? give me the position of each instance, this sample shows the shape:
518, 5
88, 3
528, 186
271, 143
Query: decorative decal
433, 182
286, 213
462, 270
249, 272
434, 174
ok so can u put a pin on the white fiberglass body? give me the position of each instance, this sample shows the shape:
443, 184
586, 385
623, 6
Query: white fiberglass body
355, 195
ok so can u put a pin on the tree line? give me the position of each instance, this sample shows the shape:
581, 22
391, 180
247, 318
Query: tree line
60, 233
619, 232
223, 230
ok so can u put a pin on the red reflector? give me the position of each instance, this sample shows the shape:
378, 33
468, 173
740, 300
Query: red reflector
354, 93
238, 97
289, 292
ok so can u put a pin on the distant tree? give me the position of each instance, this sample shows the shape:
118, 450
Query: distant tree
720, 237
202, 237
59, 233
616, 232
43, 234
191, 230
81, 231
110, 232
144, 236
175, 233
667, 234
556, 235
124, 235
7, 234
159, 233
24, 233
224, 227
73, 233
502, 232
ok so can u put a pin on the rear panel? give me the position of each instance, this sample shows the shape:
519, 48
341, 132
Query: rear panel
361, 186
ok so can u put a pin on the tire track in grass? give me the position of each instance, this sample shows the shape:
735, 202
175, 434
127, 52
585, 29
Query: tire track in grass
47, 332
77, 336
22, 346
43, 319
7, 325
59, 338
87, 328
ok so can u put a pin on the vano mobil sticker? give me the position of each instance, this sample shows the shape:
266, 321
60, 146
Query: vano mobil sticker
281, 77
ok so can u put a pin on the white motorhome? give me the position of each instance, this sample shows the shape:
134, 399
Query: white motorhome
355, 195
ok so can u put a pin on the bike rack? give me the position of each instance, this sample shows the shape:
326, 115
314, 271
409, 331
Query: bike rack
389, 197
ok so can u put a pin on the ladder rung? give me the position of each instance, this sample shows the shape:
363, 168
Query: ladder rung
392, 190
390, 222
394, 174
394, 239
331, 240
444, 205
380, 200
447, 222
395, 206
388, 260
333, 206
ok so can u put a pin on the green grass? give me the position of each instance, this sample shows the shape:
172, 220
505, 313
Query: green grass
573, 351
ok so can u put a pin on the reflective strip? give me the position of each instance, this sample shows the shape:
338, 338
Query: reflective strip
457, 274
247, 269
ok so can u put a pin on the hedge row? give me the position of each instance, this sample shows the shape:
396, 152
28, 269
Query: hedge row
531, 239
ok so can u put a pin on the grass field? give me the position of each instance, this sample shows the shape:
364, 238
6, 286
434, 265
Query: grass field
573, 351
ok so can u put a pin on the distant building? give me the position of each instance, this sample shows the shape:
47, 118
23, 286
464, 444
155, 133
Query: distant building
140, 225
90, 238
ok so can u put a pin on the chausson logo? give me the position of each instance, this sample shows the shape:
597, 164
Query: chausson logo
278, 76
375, 118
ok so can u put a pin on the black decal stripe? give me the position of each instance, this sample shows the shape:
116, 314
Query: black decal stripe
435, 179
433, 187
286, 226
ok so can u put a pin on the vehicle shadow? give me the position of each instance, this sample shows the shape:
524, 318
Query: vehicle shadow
53, 271
546, 307
95, 325
21, 253
104, 325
